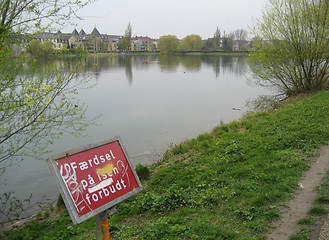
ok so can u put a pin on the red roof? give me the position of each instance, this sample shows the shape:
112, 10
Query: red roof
142, 38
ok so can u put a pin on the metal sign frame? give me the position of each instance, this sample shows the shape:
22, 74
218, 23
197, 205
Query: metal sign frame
53, 164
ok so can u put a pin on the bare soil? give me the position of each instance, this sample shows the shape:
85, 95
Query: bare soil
302, 202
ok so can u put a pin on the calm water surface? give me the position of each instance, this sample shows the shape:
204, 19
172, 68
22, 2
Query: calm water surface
152, 102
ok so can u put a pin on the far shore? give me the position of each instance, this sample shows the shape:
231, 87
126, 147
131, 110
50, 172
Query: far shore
191, 53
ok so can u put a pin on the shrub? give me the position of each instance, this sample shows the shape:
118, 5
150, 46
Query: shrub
143, 172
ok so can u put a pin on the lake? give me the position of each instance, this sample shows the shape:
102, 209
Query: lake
152, 102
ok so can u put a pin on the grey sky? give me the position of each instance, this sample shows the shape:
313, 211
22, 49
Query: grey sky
155, 18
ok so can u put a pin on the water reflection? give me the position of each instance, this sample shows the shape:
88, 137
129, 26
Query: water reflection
126, 62
167, 63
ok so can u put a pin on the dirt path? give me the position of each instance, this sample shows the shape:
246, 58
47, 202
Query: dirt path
303, 201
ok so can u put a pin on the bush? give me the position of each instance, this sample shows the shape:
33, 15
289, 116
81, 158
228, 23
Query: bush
143, 172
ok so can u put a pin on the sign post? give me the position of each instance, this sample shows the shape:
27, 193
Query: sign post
102, 223
93, 179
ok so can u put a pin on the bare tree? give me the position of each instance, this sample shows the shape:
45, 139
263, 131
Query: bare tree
217, 38
240, 36
228, 41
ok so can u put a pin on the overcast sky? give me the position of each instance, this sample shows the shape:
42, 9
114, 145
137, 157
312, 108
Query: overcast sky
155, 18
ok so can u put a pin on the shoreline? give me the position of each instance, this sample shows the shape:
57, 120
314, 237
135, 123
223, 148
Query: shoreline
201, 53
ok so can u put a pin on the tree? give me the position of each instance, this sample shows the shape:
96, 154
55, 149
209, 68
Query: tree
168, 44
126, 41
291, 53
227, 41
210, 44
217, 38
38, 49
191, 43
240, 36
34, 47
128, 32
35, 107
31, 105
124, 44
19, 16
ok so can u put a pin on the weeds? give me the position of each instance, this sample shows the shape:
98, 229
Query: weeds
318, 211
143, 172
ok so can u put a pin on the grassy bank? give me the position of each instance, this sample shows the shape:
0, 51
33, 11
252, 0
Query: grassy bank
228, 184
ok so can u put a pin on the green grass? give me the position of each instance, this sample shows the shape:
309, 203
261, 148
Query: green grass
228, 184
58, 228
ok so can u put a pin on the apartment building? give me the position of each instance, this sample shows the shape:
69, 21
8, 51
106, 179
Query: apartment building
143, 44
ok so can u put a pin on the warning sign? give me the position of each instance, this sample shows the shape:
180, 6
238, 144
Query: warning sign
94, 179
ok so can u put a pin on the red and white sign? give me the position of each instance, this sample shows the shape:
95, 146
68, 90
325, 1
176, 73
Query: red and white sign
96, 179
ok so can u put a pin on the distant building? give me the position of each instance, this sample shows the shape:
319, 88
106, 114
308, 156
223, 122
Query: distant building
94, 42
75, 32
82, 32
142, 44
97, 42
95, 33
54, 38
